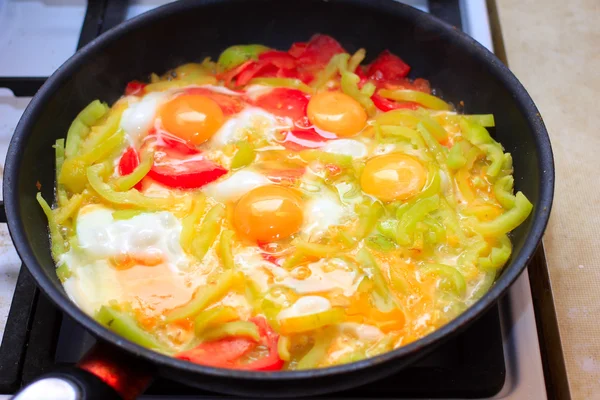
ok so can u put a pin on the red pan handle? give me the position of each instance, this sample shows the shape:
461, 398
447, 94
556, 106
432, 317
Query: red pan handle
102, 374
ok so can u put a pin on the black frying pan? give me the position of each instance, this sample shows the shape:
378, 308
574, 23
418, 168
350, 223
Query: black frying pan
460, 68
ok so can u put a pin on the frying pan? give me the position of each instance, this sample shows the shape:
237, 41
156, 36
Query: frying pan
458, 67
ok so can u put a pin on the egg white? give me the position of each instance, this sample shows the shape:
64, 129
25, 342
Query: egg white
140, 115
348, 147
305, 305
99, 237
251, 119
234, 186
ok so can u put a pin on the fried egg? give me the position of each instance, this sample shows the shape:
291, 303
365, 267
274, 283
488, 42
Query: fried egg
140, 115
236, 185
251, 120
138, 260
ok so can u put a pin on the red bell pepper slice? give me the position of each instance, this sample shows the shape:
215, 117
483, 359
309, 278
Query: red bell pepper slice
387, 105
180, 165
219, 353
228, 76
128, 163
279, 59
226, 353
166, 142
268, 338
190, 173
319, 51
297, 49
302, 139
284, 102
135, 88
422, 85
388, 67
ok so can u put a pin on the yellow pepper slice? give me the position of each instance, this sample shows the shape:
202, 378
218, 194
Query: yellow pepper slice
128, 181
213, 317
208, 232
310, 322
125, 325
415, 96
189, 222
232, 329
131, 197
283, 82
204, 296
58, 243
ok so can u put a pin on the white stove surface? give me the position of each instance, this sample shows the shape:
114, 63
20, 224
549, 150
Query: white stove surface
37, 36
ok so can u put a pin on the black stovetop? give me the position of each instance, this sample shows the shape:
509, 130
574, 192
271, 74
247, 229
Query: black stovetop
38, 337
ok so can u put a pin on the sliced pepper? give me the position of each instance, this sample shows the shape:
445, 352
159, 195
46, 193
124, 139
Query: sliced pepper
283, 348
225, 253
188, 224
416, 96
349, 85
125, 214
208, 232
450, 275
125, 325
59, 152
131, 197
236, 55
282, 82
244, 156
503, 190
204, 296
80, 127
417, 212
130, 180
509, 220
315, 249
57, 242
318, 351
213, 317
65, 212
481, 138
310, 322
498, 255
326, 158
243, 329
456, 157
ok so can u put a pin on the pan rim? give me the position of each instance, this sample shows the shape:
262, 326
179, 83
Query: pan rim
423, 345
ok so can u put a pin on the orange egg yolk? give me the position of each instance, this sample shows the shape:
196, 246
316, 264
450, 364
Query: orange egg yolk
336, 112
192, 117
393, 177
268, 213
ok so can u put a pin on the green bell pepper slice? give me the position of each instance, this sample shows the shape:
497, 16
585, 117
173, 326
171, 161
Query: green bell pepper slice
507, 221
453, 278
236, 55
204, 296
125, 325
232, 329
415, 96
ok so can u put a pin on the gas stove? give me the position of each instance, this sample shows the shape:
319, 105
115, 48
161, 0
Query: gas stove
505, 354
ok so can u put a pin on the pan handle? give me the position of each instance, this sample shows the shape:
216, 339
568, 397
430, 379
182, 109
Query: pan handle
102, 374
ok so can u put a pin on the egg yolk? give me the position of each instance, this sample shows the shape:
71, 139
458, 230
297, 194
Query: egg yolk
268, 213
393, 177
336, 112
192, 117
